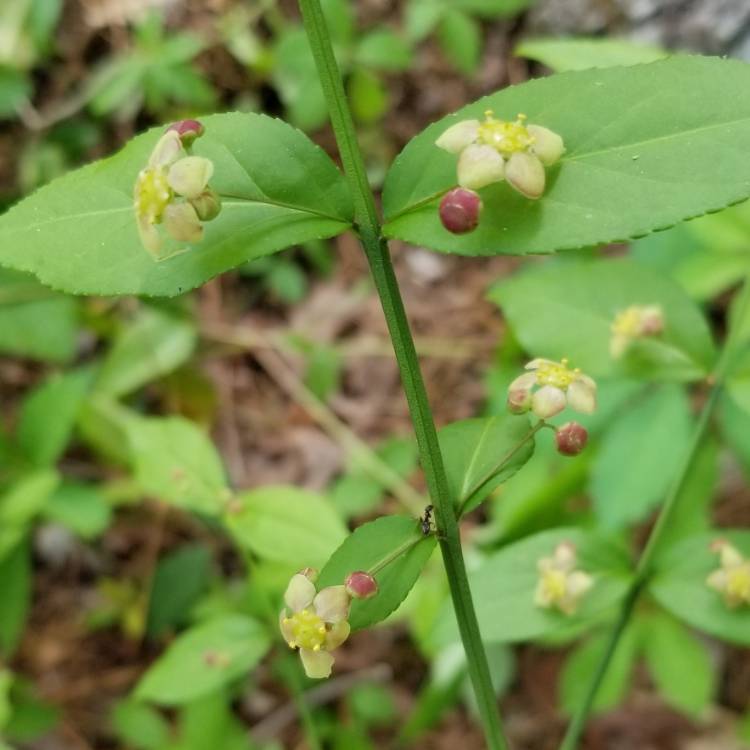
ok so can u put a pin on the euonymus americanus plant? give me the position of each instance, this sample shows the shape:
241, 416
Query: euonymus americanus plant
575, 160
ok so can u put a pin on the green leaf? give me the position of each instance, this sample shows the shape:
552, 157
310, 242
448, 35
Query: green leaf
421, 17
735, 429
369, 545
79, 233
706, 256
679, 585
678, 127
368, 95
582, 663
180, 578
15, 583
211, 723
82, 508
461, 39
580, 53
286, 524
204, 659
296, 79
140, 726
15, 88
679, 663
49, 414
566, 309
692, 510
34, 321
651, 439
357, 492
176, 462
481, 454
152, 345
383, 49
503, 587
21, 503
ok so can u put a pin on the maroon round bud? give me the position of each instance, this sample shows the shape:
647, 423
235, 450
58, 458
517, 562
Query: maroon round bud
188, 130
571, 438
361, 585
460, 210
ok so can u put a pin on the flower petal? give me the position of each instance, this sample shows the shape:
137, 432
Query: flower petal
548, 145
523, 382
285, 626
618, 344
166, 151
579, 583
149, 234
332, 604
718, 580
479, 166
299, 593
526, 174
535, 364
317, 664
182, 223
458, 136
548, 401
582, 395
189, 176
565, 556
338, 633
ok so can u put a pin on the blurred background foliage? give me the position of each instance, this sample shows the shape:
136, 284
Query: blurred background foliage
112, 568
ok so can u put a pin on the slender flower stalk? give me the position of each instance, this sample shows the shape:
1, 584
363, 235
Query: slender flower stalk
375, 246
645, 566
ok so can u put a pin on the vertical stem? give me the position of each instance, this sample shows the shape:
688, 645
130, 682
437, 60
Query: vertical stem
376, 249
645, 566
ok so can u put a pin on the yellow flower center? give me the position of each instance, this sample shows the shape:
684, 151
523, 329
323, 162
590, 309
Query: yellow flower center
556, 374
308, 630
152, 194
738, 583
506, 137
555, 585
627, 322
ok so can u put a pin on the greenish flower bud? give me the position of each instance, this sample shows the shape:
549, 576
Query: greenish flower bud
207, 205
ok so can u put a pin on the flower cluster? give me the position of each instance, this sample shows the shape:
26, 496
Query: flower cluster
172, 190
732, 579
315, 622
494, 150
560, 585
635, 322
549, 387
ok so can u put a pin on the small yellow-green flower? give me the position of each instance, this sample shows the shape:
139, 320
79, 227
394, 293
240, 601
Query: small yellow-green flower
493, 150
315, 623
634, 322
172, 190
560, 585
732, 579
549, 387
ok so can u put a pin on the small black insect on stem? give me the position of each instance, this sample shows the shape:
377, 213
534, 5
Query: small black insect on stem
426, 521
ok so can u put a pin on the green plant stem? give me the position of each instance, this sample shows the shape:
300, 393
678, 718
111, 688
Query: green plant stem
376, 249
645, 566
